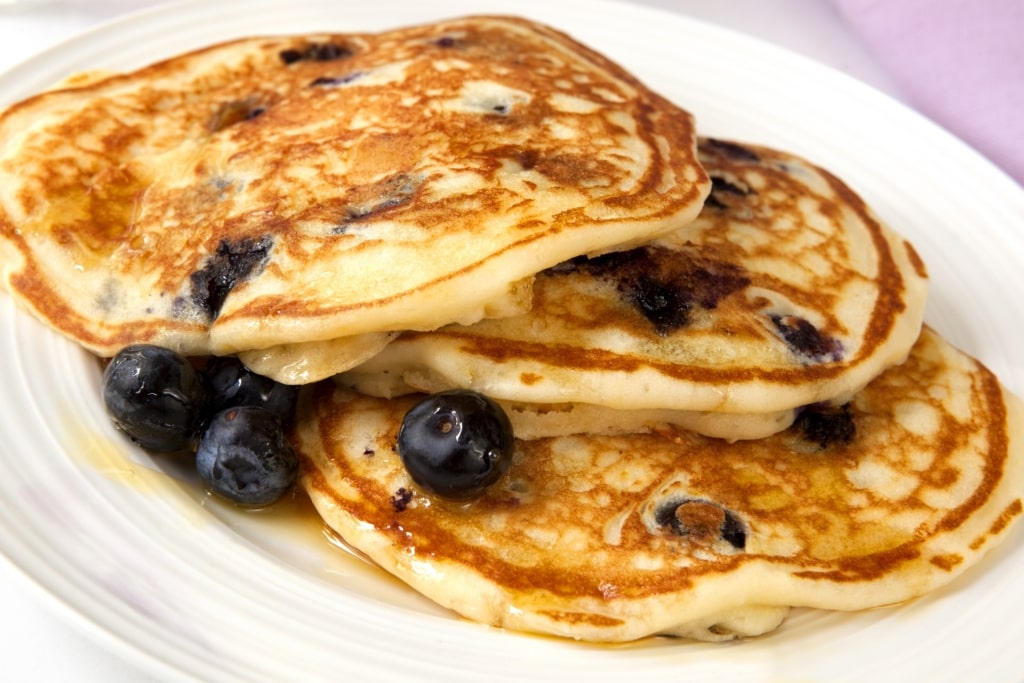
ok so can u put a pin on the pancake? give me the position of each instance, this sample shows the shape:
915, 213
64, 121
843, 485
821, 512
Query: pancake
786, 291
613, 538
275, 191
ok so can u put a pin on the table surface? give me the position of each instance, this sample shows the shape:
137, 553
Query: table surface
40, 641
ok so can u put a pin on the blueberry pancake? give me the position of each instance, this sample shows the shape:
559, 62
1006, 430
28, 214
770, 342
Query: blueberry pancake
786, 291
615, 537
331, 189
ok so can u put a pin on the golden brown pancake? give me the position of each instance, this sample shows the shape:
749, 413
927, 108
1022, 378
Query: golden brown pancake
288, 190
611, 538
786, 291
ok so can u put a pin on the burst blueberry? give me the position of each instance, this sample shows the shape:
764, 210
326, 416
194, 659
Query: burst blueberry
244, 456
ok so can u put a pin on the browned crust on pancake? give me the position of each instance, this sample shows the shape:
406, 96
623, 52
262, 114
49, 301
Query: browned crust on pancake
778, 483
887, 309
101, 202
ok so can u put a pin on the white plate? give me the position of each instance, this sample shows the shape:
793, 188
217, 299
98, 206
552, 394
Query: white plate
188, 587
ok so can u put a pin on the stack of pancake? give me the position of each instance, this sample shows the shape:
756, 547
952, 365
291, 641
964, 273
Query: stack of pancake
712, 352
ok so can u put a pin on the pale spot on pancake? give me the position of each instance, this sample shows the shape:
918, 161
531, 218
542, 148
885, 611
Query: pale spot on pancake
571, 104
775, 539
569, 457
446, 65
454, 182
426, 569
543, 537
626, 477
613, 527
881, 478
957, 401
574, 540
608, 95
607, 458
488, 97
917, 417
647, 562
560, 131
580, 485
858, 499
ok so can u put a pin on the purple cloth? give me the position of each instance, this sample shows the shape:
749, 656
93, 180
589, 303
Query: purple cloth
959, 62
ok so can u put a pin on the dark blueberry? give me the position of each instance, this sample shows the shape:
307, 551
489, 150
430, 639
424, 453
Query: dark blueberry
456, 443
569, 267
290, 56
715, 202
702, 521
232, 384
244, 456
806, 339
729, 149
327, 52
445, 41
155, 396
323, 80
335, 80
719, 184
721, 188
616, 264
400, 501
827, 426
231, 263
663, 285
666, 307
315, 52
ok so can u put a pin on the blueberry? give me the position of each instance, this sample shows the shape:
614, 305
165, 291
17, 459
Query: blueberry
456, 443
233, 262
702, 522
315, 52
155, 396
730, 150
827, 426
807, 340
232, 384
244, 456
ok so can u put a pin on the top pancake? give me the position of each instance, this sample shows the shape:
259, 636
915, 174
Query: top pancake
786, 291
285, 190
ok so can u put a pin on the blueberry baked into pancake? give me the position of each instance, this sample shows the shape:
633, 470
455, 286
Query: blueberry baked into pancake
300, 199
786, 291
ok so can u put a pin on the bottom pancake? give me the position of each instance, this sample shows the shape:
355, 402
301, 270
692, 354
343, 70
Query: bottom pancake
616, 537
